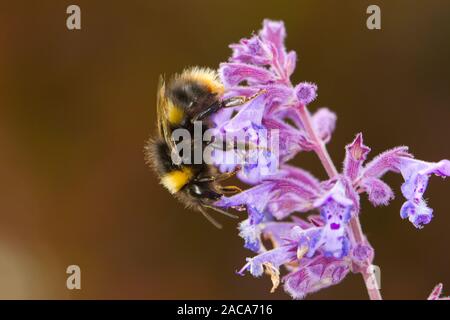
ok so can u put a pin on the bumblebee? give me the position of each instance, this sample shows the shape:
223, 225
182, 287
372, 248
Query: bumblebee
192, 96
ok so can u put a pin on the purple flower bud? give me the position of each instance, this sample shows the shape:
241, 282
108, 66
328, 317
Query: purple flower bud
273, 32
324, 122
379, 192
306, 92
436, 293
361, 254
355, 155
291, 61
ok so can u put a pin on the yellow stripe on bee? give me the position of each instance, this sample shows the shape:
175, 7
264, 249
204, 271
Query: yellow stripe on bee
177, 179
175, 114
207, 77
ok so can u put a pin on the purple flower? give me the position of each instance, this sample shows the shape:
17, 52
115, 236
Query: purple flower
251, 233
416, 174
355, 155
320, 250
278, 196
311, 274
325, 241
246, 128
418, 214
335, 210
262, 64
254, 200
367, 177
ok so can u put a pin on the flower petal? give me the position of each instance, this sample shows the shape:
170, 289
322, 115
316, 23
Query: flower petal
276, 257
256, 197
337, 194
324, 122
417, 214
252, 51
251, 234
273, 32
387, 161
291, 61
320, 273
233, 74
300, 175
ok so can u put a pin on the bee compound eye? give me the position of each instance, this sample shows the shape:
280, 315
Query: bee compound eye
196, 190
204, 192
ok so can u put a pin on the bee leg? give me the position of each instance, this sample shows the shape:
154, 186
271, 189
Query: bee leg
221, 211
205, 179
240, 100
241, 149
210, 219
227, 103
250, 146
239, 146
228, 175
219, 177
230, 189
207, 112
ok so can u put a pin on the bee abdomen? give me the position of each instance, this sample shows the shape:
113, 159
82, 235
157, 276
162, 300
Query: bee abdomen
175, 180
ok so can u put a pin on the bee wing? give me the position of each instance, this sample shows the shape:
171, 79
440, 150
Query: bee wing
160, 109
161, 113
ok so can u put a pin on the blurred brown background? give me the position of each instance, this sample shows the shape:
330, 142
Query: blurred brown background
77, 106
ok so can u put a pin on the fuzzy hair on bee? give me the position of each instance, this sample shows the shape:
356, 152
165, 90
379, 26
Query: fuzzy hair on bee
188, 98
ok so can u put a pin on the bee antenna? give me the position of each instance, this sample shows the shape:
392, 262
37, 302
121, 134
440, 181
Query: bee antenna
210, 219
225, 213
